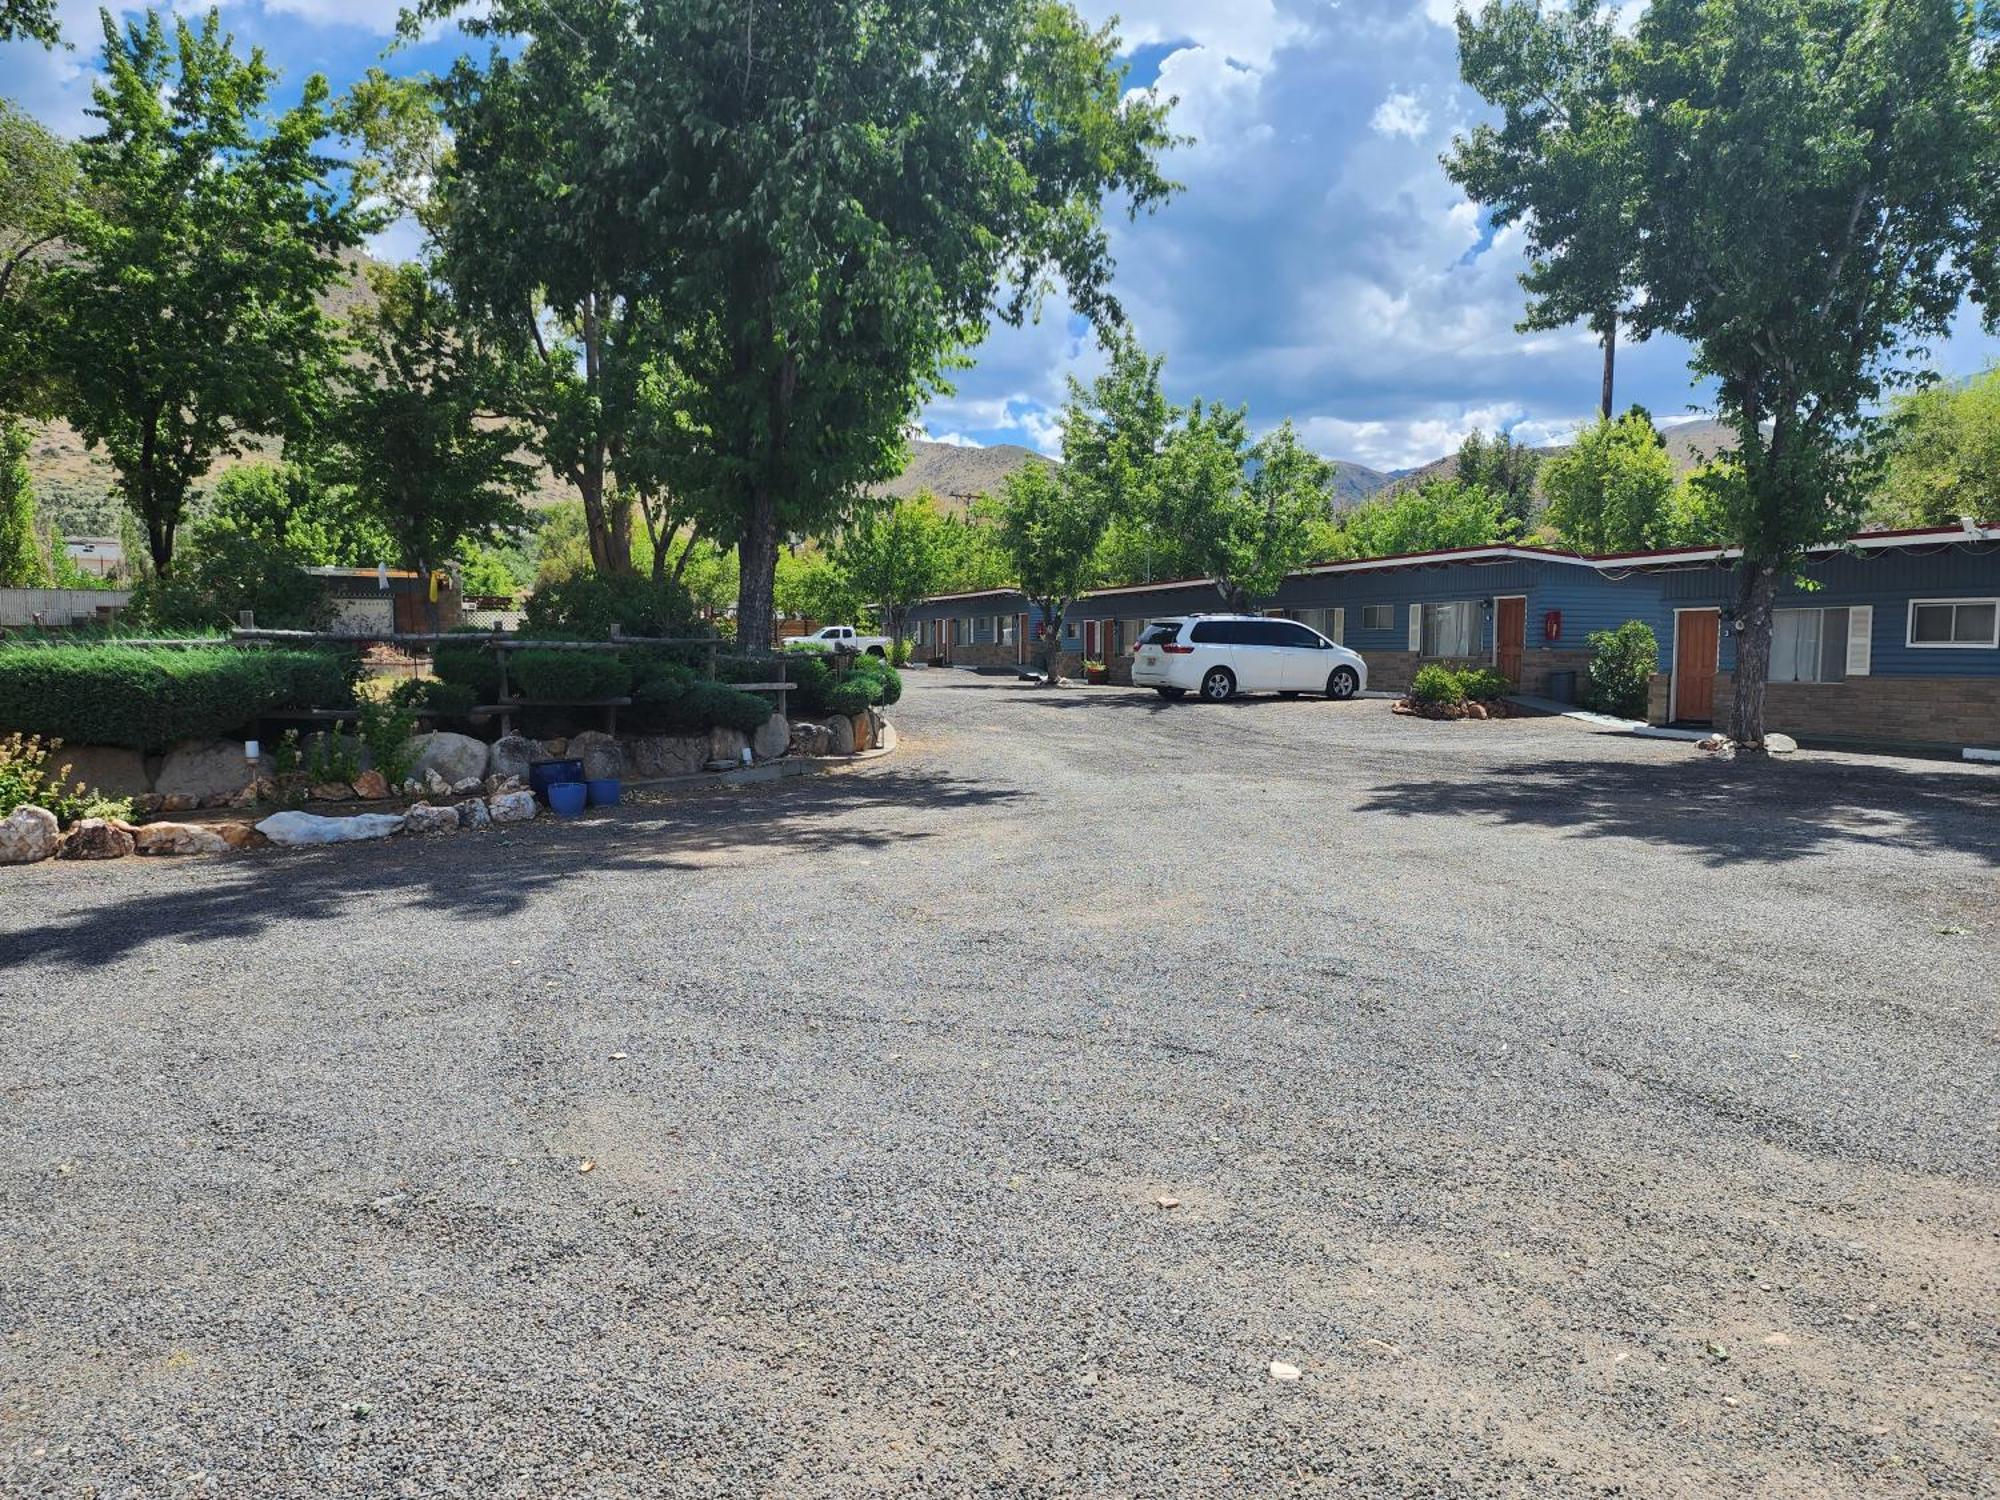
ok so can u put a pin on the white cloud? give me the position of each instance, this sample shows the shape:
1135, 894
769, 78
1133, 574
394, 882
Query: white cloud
950, 439
1400, 114
1250, 31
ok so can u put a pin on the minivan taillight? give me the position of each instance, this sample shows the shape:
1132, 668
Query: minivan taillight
1178, 650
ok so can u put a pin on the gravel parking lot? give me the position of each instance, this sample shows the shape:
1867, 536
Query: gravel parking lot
1578, 1116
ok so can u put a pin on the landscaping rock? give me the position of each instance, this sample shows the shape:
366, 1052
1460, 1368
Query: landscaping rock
511, 755
453, 756
665, 754
95, 838
107, 769
148, 803
472, 813
810, 739
201, 767
175, 802
312, 828
28, 835
554, 749
599, 752
840, 735
435, 785
864, 732
178, 838
772, 739
240, 836
471, 786
424, 818
332, 791
511, 807
727, 744
1780, 744
493, 786
245, 798
371, 786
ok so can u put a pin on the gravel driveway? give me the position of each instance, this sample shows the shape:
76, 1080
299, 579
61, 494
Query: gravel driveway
1578, 1117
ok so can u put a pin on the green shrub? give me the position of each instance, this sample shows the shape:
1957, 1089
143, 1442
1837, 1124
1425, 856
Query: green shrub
1437, 684
700, 707
449, 700
889, 681
659, 679
853, 696
148, 698
469, 663
1483, 684
28, 777
386, 727
569, 675
588, 606
1621, 663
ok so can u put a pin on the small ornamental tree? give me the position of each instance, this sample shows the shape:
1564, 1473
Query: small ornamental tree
1438, 514
1244, 514
1050, 526
1612, 490
893, 558
20, 558
184, 312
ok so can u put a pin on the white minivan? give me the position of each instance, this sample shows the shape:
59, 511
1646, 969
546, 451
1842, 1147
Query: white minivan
1219, 656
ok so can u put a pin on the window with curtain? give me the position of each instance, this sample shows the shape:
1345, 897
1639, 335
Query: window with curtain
1007, 625
1808, 645
1451, 629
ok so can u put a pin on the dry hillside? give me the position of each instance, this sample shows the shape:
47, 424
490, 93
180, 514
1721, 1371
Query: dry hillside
1690, 445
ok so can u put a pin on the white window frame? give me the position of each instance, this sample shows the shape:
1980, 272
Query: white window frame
1819, 614
1910, 627
1387, 620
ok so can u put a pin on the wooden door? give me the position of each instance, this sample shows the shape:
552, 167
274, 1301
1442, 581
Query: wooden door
1510, 637
1697, 639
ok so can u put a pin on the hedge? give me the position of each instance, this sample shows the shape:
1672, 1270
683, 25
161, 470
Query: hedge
148, 698
554, 676
701, 707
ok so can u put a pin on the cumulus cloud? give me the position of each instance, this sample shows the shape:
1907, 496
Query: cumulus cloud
1400, 114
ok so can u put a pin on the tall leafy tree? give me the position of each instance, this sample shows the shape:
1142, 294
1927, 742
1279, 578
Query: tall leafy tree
287, 510
32, 19
1438, 514
20, 557
1940, 455
1558, 163
1050, 528
184, 310
830, 197
417, 441
38, 181
1811, 187
1505, 468
1245, 514
895, 556
1613, 489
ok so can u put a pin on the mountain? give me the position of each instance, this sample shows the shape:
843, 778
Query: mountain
1688, 444
956, 474
1353, 483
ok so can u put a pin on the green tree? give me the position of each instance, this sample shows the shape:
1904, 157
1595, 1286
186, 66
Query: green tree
1559, 164
184, 311
974, 556
810, 587
1244, 513
32, 19
894, 556
829, 197
1941, 455
417, 440
20, 558
1497, 464
287, 509
561, 544
1438, 514
1051, 525
38, 181
1810, 186
1613, 489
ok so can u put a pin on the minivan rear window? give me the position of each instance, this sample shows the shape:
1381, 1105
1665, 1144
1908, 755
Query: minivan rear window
1161, 635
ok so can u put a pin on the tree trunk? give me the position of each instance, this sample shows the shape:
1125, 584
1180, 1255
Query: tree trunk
1610, 339
1756, 592
756, 571
1052, 611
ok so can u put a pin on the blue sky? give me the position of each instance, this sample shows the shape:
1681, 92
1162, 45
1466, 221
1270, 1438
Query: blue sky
1318, 265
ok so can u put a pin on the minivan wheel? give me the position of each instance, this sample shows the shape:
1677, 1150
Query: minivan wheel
1343, 683
1167, 692
1219, 686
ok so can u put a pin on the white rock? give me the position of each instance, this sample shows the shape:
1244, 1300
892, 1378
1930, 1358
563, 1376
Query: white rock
1282, 1371
424, 818
468, 787
472, 813
28, 835
453, 756
200, 767
1780, 744
311, 828
511, 807
436, 785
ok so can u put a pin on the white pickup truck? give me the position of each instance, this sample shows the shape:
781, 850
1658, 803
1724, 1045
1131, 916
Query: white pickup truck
839, 638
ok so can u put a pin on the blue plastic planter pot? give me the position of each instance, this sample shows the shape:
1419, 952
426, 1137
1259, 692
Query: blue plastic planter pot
544, 774
604, 793
566, 798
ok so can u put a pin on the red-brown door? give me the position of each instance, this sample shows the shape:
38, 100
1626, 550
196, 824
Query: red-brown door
1090, 639
1697, 637
1510, 637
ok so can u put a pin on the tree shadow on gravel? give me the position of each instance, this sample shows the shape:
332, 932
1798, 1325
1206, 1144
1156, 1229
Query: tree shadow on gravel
1745, 811
496, 873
